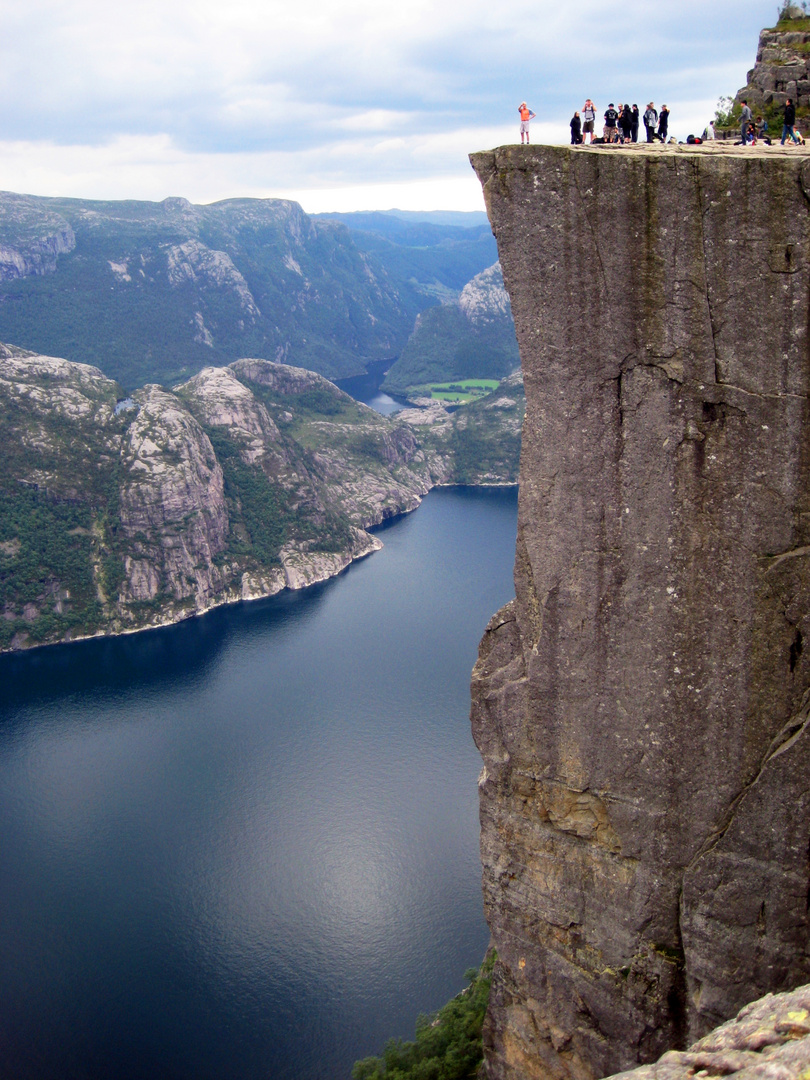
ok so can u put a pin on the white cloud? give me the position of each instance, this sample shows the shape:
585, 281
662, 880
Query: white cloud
208, 99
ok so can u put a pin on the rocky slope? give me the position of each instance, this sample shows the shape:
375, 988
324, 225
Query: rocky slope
768, 1040
116, 514
782, 68
472, 336
642, 706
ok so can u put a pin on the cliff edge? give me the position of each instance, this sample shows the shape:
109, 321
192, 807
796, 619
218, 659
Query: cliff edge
642, 705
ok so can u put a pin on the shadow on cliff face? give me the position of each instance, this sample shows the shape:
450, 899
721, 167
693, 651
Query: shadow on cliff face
164, 658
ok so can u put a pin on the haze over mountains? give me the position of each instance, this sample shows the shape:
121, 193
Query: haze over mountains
157, 291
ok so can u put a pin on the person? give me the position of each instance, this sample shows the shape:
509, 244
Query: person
610, 132
626, 122
650, 121
663, 123
789, 122
588, 119
634, 124
762, 130
745, 120
576, 129
708, 134
526, 115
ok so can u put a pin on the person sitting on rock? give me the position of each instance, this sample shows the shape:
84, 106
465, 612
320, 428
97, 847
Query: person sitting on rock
762, 130
745, 119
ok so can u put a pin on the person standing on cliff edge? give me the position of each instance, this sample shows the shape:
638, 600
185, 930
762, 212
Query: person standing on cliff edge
526, 115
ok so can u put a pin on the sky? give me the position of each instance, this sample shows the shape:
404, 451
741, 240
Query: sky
344, 105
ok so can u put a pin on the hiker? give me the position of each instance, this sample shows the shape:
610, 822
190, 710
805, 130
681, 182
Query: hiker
762, 131
588, 119
789, 122
576, 129
610, 132
708, 134
745, 119
626, 123
663, 123
634, 124
650, 121
526, 115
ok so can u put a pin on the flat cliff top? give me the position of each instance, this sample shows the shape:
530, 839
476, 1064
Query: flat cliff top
724, 149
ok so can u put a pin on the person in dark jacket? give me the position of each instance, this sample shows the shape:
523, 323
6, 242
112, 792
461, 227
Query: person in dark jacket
663, 123
634, 124
790, 120
626, 123
576, 129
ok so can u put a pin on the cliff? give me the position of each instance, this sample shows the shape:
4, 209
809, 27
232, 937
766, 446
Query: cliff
642, 705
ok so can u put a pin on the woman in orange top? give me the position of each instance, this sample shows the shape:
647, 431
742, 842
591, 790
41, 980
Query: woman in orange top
526, 115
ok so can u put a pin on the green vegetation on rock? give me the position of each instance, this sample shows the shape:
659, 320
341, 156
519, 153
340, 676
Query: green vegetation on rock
448, 1045
471, 338
116, 515
154, 292
462, 392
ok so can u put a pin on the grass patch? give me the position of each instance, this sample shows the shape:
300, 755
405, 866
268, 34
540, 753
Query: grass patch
448, 1045
458, 392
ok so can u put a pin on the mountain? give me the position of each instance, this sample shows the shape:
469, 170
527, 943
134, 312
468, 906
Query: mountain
470, 337
157, 291
118, 513
434, 254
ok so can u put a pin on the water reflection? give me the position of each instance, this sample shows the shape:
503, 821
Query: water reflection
247, 845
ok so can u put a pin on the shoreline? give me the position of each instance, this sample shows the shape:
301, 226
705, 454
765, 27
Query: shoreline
230, 599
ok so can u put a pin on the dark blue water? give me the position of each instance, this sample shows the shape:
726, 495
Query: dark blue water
247, 846
366, 388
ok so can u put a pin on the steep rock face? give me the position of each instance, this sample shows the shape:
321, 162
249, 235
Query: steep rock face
642, 705
172, 505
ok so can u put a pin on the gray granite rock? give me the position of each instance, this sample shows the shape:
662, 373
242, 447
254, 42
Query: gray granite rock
767, 1040
642, 706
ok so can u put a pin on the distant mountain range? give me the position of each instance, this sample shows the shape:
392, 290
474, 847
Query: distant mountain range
157, 291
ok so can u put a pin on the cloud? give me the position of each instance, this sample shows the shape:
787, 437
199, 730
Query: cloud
317, 96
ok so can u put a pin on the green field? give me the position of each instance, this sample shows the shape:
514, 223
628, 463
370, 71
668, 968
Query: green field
456, 393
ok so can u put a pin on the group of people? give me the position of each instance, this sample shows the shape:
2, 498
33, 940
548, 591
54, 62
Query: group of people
621, 124
752, 132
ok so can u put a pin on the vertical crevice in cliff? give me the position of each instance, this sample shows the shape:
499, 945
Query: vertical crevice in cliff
703, 210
